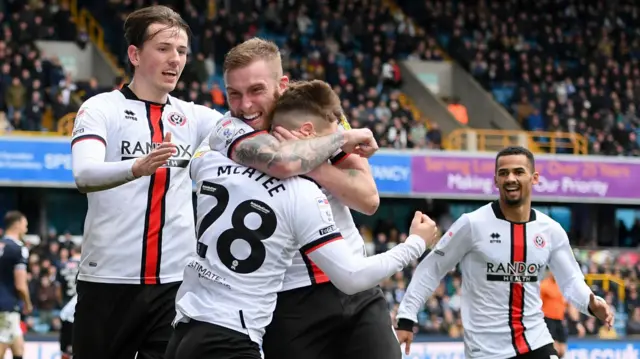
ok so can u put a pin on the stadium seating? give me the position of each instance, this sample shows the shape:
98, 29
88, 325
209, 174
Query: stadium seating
359, 62
35, 90
556, 65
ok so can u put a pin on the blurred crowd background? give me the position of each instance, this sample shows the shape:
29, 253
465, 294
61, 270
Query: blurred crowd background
558, 66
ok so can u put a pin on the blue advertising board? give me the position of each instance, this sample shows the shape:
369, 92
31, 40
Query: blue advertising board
46, 162
37, 162
392, 173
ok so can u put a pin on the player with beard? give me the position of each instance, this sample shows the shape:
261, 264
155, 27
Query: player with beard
503, 248
311, 318
254, 79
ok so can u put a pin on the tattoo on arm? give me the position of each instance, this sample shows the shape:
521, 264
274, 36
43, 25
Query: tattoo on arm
265, 152
353, 173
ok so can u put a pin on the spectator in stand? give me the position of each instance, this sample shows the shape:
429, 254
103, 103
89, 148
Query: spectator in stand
580, 76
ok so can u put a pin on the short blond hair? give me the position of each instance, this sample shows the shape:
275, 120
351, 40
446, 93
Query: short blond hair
250, 51
309, 97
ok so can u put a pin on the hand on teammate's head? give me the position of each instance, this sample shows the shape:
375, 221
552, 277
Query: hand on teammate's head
360, 141
425, 228
282, 134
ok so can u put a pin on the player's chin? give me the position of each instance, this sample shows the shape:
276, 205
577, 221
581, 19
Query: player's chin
512, 198
257, 124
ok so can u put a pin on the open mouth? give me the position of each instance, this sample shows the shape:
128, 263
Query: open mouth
170, 74
251, 117
512, 189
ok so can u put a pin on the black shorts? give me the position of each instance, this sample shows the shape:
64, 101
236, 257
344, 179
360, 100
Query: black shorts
203, 340
66, 337
321, 322
545, 352
120, 320
558, 331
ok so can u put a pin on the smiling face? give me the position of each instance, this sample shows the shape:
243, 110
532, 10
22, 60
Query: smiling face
253, 79
515, 178
253, 90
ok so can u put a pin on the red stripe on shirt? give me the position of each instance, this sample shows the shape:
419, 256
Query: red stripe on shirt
154, 221
316, 274
516, 298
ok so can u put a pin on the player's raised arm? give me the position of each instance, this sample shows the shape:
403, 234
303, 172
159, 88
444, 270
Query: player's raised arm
322, 243
453, 245
262, 151
89, 147
351, 181
570, 279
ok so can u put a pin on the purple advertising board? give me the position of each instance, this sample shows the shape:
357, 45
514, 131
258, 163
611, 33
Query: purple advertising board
562, 178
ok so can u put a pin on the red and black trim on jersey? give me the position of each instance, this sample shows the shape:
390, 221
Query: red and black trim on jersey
316, 275
156, 205
341, 156
241, 138
88, 137
516, 290
156, 198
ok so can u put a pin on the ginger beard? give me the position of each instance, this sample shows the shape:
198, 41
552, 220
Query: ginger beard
252, 92
259, 121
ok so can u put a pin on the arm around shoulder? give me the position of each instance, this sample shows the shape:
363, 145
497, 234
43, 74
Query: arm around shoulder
284, 159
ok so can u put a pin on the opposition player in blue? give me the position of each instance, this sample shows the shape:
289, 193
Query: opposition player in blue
14, 291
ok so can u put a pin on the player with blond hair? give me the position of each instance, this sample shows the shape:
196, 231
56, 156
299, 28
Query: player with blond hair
254, 81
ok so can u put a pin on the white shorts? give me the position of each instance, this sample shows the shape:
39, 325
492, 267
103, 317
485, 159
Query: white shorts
9, 327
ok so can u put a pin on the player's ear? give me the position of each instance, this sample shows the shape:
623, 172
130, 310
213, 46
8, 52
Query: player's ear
535, 178
284, 82
134, 55
307, 129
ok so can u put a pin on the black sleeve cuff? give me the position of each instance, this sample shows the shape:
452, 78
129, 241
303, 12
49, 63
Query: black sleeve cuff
590, 312
405, 324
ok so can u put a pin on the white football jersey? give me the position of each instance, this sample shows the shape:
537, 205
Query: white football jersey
501, 264
249, 225
140, 232
303, 272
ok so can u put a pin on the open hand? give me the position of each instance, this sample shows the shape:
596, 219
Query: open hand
158, 157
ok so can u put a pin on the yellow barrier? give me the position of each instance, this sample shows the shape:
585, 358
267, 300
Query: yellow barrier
606, 282
84, 19
536, 141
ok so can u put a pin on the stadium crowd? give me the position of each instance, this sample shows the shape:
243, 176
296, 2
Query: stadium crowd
360, 67
569, 66
356, 52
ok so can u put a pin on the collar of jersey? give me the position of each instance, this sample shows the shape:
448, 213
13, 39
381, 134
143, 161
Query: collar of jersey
129, 95
498, 213
16, 241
